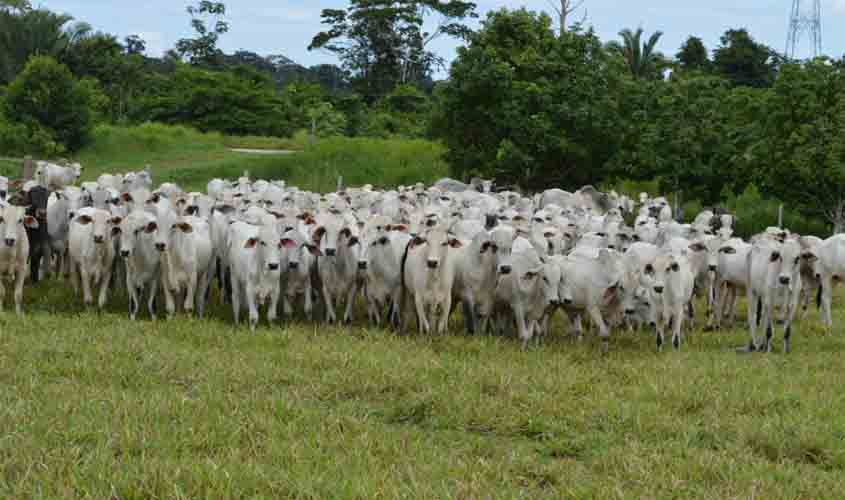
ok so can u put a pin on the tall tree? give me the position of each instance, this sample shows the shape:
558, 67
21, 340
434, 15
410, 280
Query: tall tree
135, 44
563, 8
801, 157
744, 61
640, 57
26, 32
203, 50
382, 43
693, 55
529, 107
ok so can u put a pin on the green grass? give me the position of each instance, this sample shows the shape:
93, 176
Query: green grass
95, 406
190, 158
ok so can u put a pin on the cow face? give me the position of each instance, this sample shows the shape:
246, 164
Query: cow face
785, 263
268, 249
503, 238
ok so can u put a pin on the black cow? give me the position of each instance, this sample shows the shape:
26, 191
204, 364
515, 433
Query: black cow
35, 201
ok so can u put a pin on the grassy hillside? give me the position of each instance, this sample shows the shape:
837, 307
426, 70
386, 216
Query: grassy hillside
191, 159
95, 406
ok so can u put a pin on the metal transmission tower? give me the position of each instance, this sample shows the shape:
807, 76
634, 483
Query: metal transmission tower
805, 18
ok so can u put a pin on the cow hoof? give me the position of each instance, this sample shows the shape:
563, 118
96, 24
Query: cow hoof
347, 322
750, 348
710, 328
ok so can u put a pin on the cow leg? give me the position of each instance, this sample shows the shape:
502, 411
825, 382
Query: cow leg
105, 281
676, 327
203, 287
350, 302
151, 301
575, 321
190, 292
20, 276
134, 297
236, 302
170, 303
660, 326
768, 323
273, 308
2, 293
85, 276
752, 319
827, 299
419, 302
443, 324
792, 308
287, 307
251, 306
331, 317
598, 321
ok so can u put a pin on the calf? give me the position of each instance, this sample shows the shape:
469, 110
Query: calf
428, 274
14, 250
672, 284
186, 257
831, 271
298, 260
475, 280
56, 177
774, 269
142, 259
381, 263
732, 276
255, 259
810, 278
35, 200
337, 265
92, 252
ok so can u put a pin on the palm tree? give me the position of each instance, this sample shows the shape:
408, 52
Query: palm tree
26, 32
641, 59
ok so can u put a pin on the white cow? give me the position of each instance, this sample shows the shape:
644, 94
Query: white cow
672, 284
14, 250
831, 271
142, 259
57, 177
255, 260
428, 274
92, 252
186, 258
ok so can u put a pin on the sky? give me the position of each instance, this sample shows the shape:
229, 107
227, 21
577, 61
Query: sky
287, 26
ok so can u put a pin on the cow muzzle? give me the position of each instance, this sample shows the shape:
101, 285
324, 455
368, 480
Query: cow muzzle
630, 312
784, 280
362, 266
331, 252
432, 264
10, 242
658, 289
99, 239
124, 253
713, 268
161, 247
293, 265
505, 269
273, 267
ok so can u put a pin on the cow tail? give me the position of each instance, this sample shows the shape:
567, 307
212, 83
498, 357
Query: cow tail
819, 297
402, 284
759, 310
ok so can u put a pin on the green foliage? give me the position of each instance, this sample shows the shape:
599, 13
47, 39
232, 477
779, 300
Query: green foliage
640, 57
693, 55
203, 50
46, 99
327, 121
231, 102
382, 43
743, 61
801, 155
528, 107
404, 112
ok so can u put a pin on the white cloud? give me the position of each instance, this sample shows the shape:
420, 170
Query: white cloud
838, 6
156, 42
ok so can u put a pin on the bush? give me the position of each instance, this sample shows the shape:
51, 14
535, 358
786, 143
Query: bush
51, 104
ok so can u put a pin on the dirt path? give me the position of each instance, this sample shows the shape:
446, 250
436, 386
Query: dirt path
263, 151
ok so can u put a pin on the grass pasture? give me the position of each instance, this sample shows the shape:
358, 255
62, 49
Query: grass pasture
96, 406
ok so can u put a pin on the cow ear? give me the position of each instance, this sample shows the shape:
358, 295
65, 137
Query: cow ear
151, 227
30, 222
728, 250
185, 227
775, 257
315, 250
318, 235
84, 219
250, 243
417, 241
610, 293
287, 243
116, 220
346, 232
455, 243
353, 241
698, 247
383, 240
397, 227
809, 256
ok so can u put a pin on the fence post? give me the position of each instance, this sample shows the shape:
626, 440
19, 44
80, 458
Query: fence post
339, 183
780, 216
27, 169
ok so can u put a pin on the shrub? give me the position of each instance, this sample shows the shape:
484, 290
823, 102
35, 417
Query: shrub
47, 100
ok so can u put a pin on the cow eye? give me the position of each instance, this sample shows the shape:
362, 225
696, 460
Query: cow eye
264, 243
545, 279
797, 259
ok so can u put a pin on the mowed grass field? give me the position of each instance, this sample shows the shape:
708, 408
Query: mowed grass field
95, 406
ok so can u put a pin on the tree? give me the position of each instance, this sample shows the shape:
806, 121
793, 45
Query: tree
15, 5
641, 58
203, 50
800, 157
135, 44
382, 43
563, 8
528, 107
743, 61
25, 32
46, 97
693, 55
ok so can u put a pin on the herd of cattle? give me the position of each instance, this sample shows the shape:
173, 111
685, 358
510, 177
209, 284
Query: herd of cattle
411, 252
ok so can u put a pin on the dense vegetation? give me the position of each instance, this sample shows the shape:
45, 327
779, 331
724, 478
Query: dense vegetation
532, 104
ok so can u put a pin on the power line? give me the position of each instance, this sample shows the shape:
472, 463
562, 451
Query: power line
805, 18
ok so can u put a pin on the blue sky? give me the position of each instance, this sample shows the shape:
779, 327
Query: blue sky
286, 26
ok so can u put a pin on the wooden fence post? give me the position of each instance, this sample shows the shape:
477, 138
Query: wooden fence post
780, 216
27, 169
